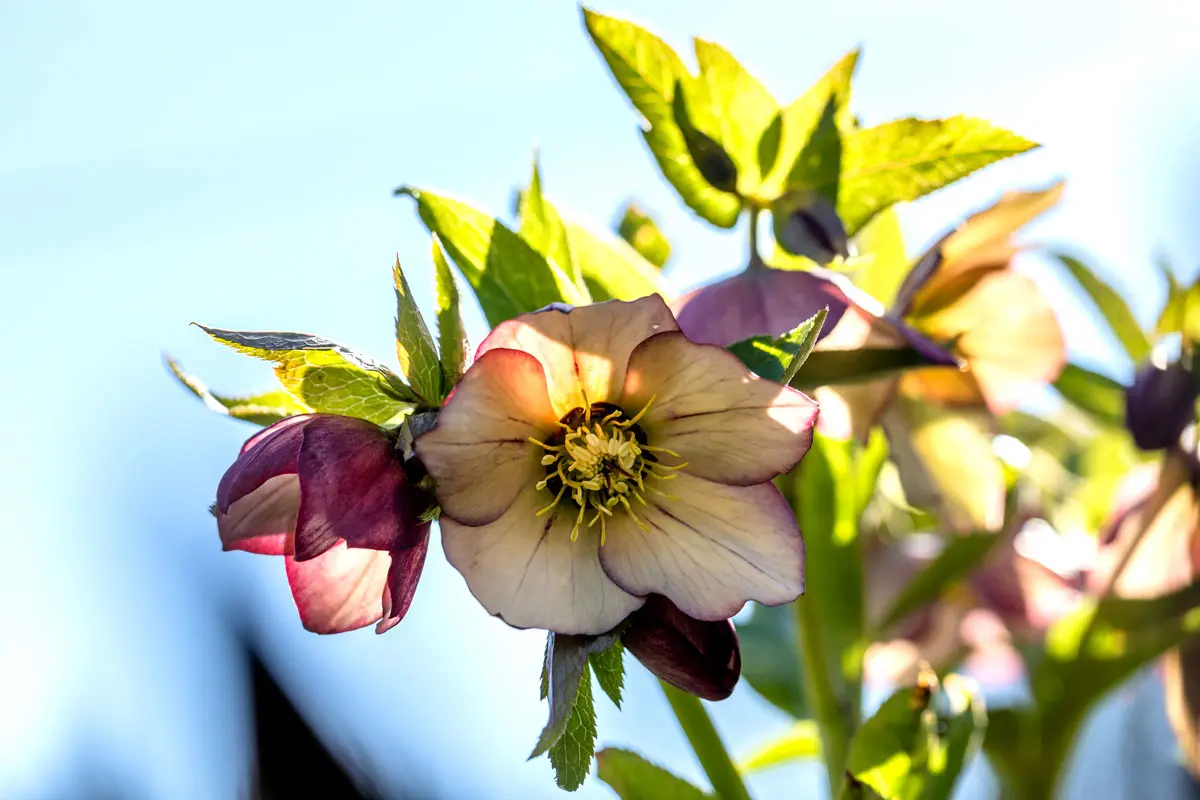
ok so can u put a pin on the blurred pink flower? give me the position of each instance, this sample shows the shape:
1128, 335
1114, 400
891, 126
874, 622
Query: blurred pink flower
330, 495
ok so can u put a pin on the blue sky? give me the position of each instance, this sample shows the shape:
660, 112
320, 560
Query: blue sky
233, 163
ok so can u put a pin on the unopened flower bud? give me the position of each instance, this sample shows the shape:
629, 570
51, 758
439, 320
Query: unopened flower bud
806, 224
1160, 404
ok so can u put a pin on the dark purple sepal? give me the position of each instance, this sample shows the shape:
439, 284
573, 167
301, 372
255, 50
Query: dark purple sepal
402, 578
269, 453
702, 658
1160, 404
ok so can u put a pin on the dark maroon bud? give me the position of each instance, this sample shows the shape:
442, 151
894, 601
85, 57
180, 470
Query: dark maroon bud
1160, 404
702, 658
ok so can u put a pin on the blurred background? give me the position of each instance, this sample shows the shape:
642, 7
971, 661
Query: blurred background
233, 164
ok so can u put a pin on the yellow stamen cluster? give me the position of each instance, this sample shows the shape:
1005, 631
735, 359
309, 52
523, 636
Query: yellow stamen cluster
601, 464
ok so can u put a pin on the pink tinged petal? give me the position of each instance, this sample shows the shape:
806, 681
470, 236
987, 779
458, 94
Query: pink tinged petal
526, 570
584, 351
339, 590
479, 454
402, 578
261, 522
764, 302
702, 658
728, 424
268, 453
352, 487
709, 548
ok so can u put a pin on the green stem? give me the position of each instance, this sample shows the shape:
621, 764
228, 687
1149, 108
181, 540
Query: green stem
755, 262
835, 736
706, 743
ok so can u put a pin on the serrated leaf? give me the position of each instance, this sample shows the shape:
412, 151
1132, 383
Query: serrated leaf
642, 234
324, 375
508, 275
769, 658
909, 158
609, 668
749, 126
571, 755
266, 408
634, 778
779, 358
565, 664
452, 336
800, 742
1098, 395
1112, 308
543, 229
415, 351
799, 121
647, 69
958, 559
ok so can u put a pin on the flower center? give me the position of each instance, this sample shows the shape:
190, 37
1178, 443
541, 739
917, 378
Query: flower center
601, 462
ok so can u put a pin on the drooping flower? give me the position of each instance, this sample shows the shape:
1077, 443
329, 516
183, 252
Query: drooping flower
1160, 404
329, 494
700, 657
595, 456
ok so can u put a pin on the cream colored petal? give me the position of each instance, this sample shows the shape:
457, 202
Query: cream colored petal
585, 350
262, 521
709, 548
526, 570
724, 421
479, 454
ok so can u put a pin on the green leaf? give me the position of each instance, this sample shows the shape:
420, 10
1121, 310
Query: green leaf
960, 735
324, 375
452, 336
563, 671
836, 367
769, 663
1096, 394
261, 409
800, 742
647, 69
884, 263
611, 269
746, 112
710, 157
958, 559
571, 755
609, 666
509, 276
634, 778
909, 158
1112, 308
543, 229
894, 742
778, 359
415, 351
799, 121
643, 235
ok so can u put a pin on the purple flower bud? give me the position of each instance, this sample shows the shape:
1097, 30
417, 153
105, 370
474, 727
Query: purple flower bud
806, 224
702, 658
1160, 404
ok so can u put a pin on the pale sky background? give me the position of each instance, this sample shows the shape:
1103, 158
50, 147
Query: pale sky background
232, 163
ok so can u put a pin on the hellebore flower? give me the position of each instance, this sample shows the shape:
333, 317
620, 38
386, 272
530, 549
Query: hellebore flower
699, 657
1160, 404
330, 494
591, 457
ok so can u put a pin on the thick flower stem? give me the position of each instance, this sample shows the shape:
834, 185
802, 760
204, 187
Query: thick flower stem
818, 688
707, 744
755, 262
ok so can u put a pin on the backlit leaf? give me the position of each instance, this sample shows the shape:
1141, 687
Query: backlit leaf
266, 408
1100, 396
609, 667
779, 358
634, 778
415, 351
452, 336
324, 375
571, 755
1112, 308
800, 742
643, 235
611, 269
